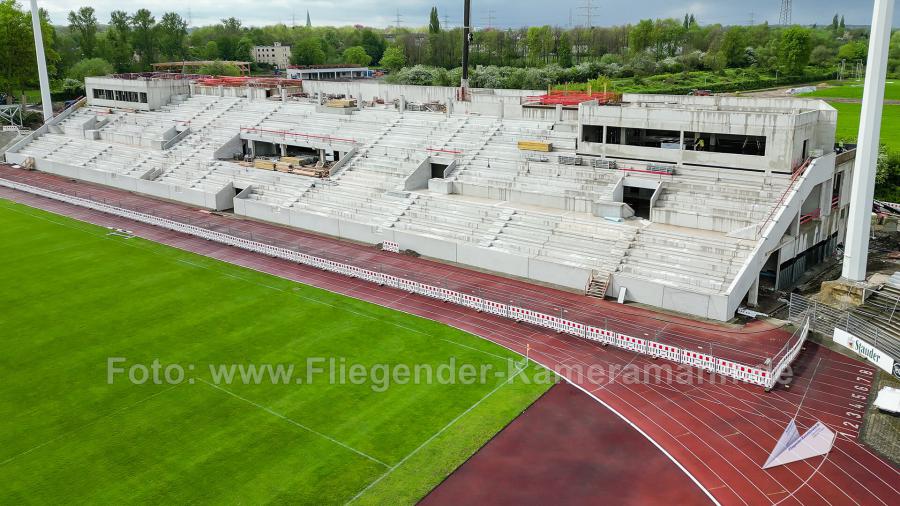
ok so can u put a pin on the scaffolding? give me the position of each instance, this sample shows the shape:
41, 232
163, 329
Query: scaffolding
11, 114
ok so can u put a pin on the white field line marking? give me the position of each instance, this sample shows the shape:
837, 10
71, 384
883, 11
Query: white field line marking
294, 422
604, 404
436, 434
98, 420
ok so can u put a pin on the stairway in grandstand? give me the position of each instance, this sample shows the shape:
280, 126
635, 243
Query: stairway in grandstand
703, 263
597, 287
705, 199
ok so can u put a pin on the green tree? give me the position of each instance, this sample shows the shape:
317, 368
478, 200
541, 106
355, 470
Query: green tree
211, 50
564, 51
393, 58
18, 66
83, 24
119, 51
219, 68
734, 47
794, 49
821, 56
356, 55
835, 24
841, 25
641, 36
244, 49
852, 51
143, 29
172, 32
90, 67
373, 43
434, 24
308, 52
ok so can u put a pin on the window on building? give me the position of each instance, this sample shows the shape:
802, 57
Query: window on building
651, 138
120, 95
754, 145
592, 133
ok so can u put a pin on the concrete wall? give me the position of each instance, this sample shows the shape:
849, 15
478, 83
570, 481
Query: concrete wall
707, 305
159, 91
821, 170
784, 125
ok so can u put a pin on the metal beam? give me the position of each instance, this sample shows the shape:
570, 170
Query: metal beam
859, 223
46, 102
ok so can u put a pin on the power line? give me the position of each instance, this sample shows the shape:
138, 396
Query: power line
490, 18
589, 8
787, 8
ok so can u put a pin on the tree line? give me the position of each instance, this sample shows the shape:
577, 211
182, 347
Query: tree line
132, 41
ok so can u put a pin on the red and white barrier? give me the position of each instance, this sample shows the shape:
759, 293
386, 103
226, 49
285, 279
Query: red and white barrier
742, 372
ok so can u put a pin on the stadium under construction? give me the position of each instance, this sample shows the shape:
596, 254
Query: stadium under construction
688, 204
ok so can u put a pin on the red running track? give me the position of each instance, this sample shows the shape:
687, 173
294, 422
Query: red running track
750, 344
720, 433
566, 449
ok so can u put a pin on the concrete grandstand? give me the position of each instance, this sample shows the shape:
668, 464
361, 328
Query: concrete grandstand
683, 203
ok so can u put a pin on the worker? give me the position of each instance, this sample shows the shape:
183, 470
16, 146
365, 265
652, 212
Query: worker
699, 145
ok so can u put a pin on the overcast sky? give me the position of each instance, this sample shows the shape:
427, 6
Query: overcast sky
505, 13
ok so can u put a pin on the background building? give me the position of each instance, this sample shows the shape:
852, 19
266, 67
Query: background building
277, 55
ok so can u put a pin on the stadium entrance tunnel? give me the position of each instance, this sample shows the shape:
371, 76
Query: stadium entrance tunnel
437, 169
638, 199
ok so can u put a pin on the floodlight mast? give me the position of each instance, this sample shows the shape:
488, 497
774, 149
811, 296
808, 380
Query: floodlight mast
467, 35
46, 102
859, 223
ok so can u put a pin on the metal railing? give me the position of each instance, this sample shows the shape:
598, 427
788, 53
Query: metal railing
754, 368
824, 319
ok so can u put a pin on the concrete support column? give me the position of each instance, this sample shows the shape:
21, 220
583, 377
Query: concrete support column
283, 149
559, 112
252, 145
856, 252
753, 294
221, 91
283, 94
825, 197
402, 103
322, 155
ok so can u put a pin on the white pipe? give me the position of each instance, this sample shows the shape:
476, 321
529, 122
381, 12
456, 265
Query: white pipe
46, 103
856, 250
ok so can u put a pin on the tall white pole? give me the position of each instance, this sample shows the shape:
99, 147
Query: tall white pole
41, 61
856, 251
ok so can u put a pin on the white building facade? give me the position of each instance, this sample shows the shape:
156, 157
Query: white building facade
277, 55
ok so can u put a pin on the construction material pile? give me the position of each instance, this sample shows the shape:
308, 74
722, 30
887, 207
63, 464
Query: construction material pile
303, 166
566, 98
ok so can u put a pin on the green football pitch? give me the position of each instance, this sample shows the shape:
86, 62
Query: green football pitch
88, 417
